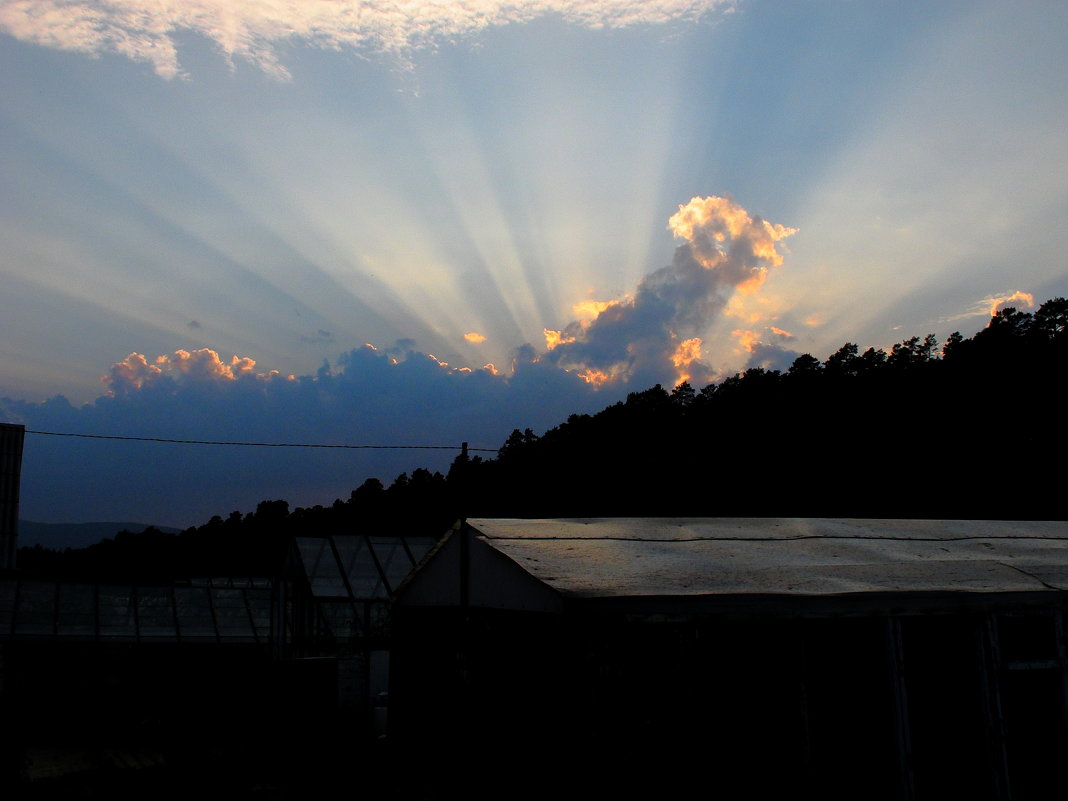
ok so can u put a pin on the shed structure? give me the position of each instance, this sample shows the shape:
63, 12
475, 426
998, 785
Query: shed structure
741, 658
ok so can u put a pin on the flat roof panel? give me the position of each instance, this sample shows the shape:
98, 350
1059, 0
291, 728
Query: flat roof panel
708, 556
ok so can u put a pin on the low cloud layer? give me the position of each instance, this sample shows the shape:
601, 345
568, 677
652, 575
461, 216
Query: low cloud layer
255, 30
370, 397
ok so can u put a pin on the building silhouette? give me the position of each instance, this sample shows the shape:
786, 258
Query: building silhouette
739, 658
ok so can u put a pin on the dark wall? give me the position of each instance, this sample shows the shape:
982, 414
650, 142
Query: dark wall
626, 704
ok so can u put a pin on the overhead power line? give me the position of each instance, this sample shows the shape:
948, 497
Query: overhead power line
265, 444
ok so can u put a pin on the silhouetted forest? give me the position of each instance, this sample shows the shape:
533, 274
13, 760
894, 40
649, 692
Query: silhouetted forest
970, 428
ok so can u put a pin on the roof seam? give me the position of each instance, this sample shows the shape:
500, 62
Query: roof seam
1031, 576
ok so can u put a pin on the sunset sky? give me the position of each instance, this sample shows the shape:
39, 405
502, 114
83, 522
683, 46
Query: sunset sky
428, 222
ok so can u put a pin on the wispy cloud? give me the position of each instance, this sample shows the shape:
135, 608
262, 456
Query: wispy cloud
253, 30
321, 336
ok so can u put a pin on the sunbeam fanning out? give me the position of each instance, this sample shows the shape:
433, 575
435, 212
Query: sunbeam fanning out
240, 195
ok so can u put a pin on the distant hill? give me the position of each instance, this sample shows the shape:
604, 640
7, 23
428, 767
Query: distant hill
75, 535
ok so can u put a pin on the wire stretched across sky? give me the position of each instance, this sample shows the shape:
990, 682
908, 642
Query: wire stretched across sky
263, 444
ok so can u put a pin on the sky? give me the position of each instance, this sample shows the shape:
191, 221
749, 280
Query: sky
422, 223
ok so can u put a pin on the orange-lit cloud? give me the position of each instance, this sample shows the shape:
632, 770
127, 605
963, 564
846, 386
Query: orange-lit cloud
204, 365
595, 377
688, 352
254, 30
707, 220
747, 340
1017, 300
475, 337
769, 349
590, 309
726, 252
554, 339
135, 371
991, 305
707, 223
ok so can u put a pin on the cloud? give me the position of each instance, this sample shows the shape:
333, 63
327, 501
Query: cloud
766, 349
475, 337
321, 336
638, 340
687, 354
1016, 300
130, 374
255, 30
192, 324
992, 304
368, 397
135, 372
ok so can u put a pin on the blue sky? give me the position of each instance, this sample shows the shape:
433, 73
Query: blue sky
278, 184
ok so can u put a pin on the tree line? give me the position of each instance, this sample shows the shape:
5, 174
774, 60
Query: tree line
970, 428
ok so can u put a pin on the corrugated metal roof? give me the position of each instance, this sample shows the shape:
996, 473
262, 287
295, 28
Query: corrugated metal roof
721, 556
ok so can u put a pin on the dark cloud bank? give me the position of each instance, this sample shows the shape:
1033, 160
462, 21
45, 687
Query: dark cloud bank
370, 397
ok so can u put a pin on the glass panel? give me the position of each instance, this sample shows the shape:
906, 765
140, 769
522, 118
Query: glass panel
231, 614
37, 603
155, 613
321, 567
259, 601
393, 558
77, 610
117, 612
420, 546
194, 612
363, 575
